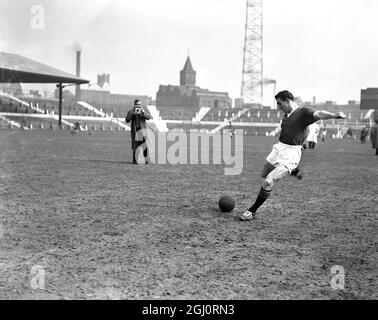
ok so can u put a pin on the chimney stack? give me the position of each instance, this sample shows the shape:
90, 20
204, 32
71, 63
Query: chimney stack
78, 66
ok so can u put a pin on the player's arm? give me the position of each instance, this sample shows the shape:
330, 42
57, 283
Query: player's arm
277, 130
325, 115
307, 132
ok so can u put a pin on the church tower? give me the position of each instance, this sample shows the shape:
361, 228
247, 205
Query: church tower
188, 75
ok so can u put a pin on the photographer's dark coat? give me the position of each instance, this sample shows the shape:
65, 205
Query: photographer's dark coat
138, 121
374, 136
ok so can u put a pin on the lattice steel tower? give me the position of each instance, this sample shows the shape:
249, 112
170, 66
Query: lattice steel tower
252, 80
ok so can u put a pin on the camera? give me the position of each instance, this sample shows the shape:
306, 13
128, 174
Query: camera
138, 110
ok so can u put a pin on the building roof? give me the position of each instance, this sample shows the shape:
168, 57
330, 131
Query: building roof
207, 92
188, 66
94, 87
182, 89
18, 69
189, 91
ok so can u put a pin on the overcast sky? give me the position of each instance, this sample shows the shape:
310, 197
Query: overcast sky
322, 48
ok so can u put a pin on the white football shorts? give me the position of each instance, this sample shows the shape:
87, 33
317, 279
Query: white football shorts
286, 155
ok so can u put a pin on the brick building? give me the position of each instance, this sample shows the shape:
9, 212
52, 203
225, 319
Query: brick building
99, 94
188, 95
369, 99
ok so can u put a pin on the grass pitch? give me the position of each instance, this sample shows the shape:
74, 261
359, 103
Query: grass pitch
103, 228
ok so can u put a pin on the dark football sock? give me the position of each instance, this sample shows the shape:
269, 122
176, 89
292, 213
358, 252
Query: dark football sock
262, 196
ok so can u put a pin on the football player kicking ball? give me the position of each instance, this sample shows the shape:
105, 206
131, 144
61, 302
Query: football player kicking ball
286, 154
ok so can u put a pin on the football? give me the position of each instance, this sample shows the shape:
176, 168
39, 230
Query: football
226, 203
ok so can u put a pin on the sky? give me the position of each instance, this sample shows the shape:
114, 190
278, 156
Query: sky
322, 48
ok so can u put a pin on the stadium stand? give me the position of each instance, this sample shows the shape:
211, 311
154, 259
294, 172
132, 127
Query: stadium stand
177, 113
113, 110
3, 124
201, 114
36, 122
51, 106
95, 117
7, 123
158, 123
103, 125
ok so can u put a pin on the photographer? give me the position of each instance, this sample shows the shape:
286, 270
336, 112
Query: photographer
137, 116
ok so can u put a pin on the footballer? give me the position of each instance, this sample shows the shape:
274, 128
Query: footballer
286, 154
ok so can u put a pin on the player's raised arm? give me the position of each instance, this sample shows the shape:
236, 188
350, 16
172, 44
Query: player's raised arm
325, 115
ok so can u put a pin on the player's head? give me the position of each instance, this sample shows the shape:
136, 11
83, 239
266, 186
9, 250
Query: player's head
284, 100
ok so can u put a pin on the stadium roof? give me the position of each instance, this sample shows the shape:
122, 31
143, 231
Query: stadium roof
18, 69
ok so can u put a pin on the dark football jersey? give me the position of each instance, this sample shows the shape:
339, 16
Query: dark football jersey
293, 128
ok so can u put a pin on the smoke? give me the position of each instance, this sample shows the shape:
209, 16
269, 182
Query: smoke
77, 46
268, 81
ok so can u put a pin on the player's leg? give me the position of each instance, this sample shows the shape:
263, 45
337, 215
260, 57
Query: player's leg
297, 173
268, 168
274, 176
